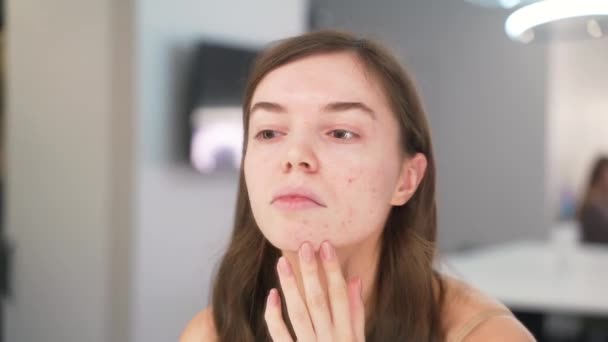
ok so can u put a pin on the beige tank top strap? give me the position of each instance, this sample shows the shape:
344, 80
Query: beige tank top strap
476, 321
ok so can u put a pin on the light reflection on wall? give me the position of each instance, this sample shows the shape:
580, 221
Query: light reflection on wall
217, 139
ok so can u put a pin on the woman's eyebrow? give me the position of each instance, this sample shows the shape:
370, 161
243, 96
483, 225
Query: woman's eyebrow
331, 107
345, 106
268, 106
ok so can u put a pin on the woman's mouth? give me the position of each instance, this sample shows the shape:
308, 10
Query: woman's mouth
293, 202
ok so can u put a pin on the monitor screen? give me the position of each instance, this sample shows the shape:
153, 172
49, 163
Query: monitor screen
217, 82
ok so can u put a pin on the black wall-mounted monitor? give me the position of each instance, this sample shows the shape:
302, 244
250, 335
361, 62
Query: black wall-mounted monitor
216, 82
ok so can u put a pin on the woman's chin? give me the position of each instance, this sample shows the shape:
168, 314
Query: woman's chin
292, 240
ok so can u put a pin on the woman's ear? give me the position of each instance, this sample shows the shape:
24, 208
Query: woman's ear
412, 172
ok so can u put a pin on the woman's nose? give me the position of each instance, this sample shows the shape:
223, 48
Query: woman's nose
300, 156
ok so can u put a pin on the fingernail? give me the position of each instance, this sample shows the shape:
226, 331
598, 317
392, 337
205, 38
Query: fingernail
306, 252
273, 297
284, 267
327, 252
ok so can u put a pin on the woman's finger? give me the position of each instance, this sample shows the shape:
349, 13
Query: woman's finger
337, 293
296, 308
316, 300
274, 320
357, 308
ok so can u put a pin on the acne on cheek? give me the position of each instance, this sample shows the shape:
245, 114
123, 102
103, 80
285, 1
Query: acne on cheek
353, 175
346, 223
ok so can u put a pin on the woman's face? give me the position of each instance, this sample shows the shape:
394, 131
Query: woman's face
320, 127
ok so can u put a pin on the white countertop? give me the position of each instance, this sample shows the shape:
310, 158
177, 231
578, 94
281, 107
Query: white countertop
537, 275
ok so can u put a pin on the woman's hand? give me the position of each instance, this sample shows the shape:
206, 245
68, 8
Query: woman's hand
337, 316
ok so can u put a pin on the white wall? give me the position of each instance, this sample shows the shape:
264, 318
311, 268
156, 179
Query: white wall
183, 218
578, 114
68, 189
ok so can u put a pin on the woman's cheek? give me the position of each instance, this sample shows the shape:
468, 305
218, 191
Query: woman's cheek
365, 208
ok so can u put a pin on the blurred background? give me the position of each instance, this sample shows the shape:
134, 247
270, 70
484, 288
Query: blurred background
121, 138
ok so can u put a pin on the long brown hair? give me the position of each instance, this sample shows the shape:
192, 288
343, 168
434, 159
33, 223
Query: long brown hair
597, 171
408, 293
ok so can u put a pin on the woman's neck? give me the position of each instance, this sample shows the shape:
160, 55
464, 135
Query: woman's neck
357, 260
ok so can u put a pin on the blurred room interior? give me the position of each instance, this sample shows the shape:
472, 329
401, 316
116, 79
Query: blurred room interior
121, 148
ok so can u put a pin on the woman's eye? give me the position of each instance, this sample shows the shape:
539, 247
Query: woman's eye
343, 134
266, 134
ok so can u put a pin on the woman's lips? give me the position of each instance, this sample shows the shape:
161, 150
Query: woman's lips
293, 202
296, 197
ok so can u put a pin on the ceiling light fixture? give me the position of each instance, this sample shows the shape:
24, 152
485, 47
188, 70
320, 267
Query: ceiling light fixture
546, 11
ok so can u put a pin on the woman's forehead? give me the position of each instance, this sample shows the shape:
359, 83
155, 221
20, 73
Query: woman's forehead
320, 79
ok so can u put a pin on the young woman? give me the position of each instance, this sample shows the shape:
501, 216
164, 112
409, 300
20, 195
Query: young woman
593, 213
335, 228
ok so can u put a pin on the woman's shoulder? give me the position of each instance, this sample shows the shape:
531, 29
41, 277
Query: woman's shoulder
200, 328
470, 315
